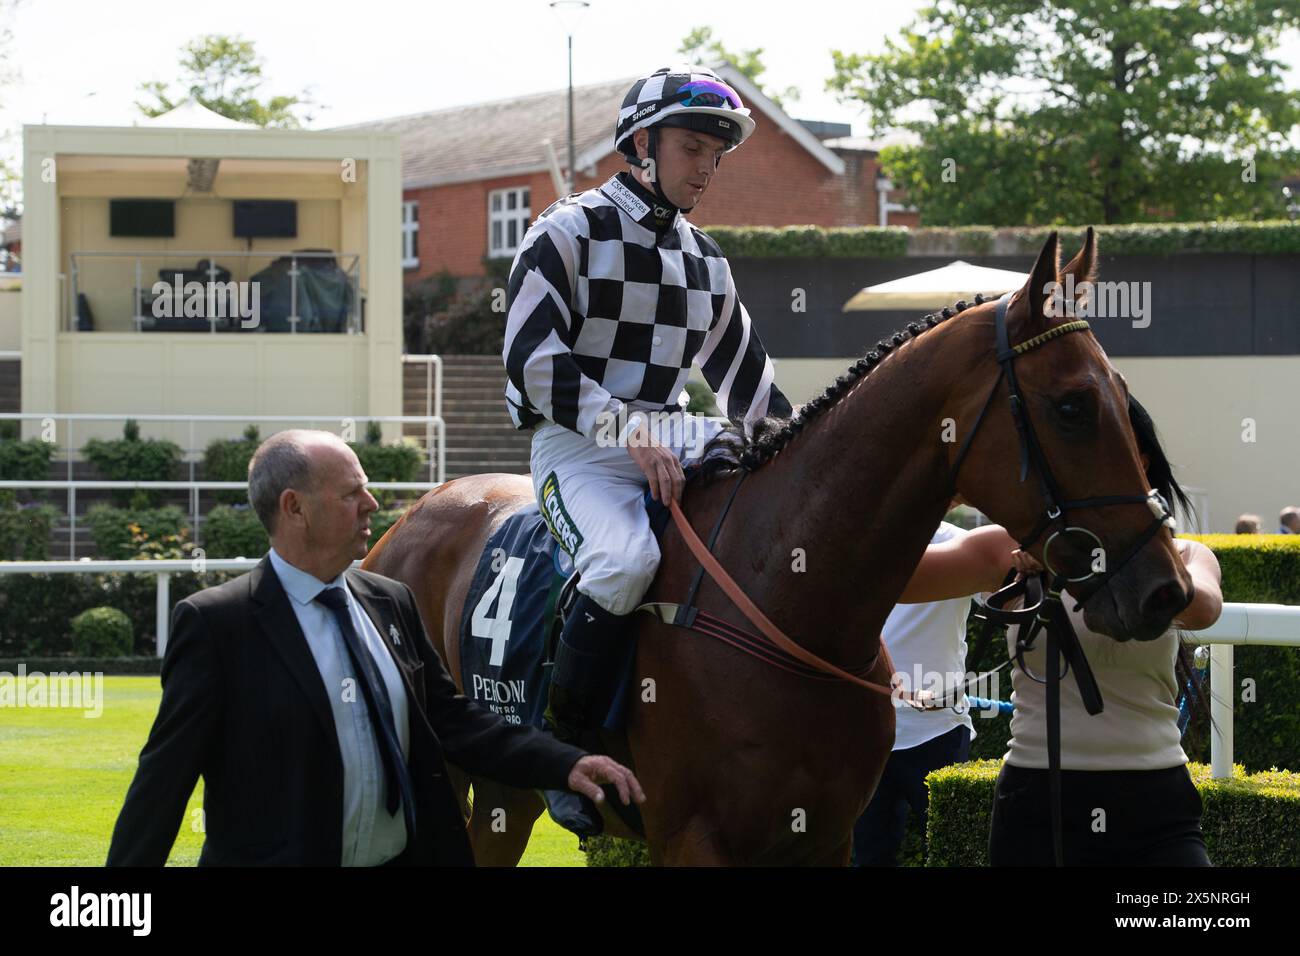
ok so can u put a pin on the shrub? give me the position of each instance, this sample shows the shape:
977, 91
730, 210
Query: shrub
102, 632
234, 532
400, 461
131, 458
1248, 820
226, 459
25, 530
24, 460
115, 539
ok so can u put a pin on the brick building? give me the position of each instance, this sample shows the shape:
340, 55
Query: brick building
474, 176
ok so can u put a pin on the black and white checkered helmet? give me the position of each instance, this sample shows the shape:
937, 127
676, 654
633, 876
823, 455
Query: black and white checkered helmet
692, 97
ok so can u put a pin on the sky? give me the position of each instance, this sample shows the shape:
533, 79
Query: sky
82, 61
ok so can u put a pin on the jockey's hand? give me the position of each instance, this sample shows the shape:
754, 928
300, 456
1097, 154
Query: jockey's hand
591, 771
1025, 563
659, 465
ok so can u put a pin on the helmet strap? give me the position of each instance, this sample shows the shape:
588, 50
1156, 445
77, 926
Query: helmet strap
651, 165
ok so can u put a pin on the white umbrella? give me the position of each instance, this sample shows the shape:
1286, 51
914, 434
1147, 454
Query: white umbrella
936, 288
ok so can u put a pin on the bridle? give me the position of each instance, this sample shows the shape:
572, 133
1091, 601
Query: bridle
1041, 605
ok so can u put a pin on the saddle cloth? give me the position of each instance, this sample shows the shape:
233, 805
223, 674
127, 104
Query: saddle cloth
509, 621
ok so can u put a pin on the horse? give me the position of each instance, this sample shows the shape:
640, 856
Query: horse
746, 764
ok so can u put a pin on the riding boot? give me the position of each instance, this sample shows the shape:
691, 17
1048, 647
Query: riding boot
583, 685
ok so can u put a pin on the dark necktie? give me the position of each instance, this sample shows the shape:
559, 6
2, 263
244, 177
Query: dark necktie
397, 777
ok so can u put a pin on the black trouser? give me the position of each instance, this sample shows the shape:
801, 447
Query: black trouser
1109, 818
879, 831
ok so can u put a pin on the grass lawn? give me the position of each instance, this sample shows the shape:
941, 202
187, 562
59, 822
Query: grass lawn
63, 777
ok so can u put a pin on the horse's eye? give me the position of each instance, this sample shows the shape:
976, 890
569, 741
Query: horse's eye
1072, 409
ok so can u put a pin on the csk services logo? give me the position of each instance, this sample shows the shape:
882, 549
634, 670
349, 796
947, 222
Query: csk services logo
557, 517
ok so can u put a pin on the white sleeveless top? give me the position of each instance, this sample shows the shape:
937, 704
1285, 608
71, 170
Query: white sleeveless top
927, 643
1138, 726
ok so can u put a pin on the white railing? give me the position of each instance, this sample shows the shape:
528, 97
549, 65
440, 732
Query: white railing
432, 404
1259, 625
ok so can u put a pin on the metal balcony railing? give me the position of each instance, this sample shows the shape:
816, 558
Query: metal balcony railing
305, 291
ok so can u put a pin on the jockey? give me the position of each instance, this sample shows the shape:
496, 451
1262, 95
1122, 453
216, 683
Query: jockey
612, 295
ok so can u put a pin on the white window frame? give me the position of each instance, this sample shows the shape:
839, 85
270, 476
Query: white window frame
520, 214
410, 234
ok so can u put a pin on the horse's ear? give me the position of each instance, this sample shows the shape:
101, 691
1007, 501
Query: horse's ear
1083, 267
1037, 293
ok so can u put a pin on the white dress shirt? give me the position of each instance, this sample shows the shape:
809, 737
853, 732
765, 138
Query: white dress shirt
370, 835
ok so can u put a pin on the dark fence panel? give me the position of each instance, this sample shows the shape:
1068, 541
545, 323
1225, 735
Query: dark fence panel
1199, 304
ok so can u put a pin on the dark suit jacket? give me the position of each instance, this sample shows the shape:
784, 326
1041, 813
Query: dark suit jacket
244, 706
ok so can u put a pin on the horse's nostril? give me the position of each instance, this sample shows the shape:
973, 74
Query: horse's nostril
1164, 602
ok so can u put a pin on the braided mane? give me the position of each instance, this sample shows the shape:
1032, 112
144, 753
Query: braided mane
730, 449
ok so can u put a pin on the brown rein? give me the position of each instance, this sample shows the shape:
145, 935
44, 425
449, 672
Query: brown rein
773, 633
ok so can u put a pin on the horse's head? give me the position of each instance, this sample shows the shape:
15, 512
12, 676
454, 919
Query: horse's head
1076, 445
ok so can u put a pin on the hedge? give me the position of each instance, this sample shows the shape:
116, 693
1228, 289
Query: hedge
1250, 820
36, 610
115, 534
1279, 237
151, 664
27, 460
101, 632
131, 458
25, 530
226, 459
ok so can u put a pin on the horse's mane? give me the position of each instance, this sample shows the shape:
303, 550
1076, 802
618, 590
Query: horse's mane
730, 449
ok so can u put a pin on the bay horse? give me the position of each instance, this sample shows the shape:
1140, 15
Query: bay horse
743, 763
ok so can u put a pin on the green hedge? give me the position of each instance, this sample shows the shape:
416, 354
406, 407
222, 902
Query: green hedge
36, 610
25, 530
115, 534
1259, 569
226, 459
234, 532
1250, 820
1136, 239
102, 632
24, 460
83, 665
131, 458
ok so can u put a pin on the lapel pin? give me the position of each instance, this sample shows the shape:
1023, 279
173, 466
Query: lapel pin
392, 632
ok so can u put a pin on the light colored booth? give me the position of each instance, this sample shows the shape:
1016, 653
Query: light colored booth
100, 335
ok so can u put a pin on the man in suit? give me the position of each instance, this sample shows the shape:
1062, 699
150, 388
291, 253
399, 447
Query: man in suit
309, 698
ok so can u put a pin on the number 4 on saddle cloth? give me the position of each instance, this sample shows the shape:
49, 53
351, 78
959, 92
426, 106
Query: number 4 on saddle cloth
523, 587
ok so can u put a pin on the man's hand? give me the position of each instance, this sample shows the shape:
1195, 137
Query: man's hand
591, 771
659, 465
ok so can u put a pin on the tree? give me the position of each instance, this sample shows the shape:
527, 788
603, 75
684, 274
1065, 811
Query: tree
1084, 110
224, 73
699, 47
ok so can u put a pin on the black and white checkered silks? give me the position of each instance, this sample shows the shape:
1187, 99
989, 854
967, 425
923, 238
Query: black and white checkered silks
600, 316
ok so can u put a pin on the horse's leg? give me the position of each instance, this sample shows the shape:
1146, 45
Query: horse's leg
501, 822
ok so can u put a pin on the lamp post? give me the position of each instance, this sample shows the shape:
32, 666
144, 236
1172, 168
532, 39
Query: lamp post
570, 12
